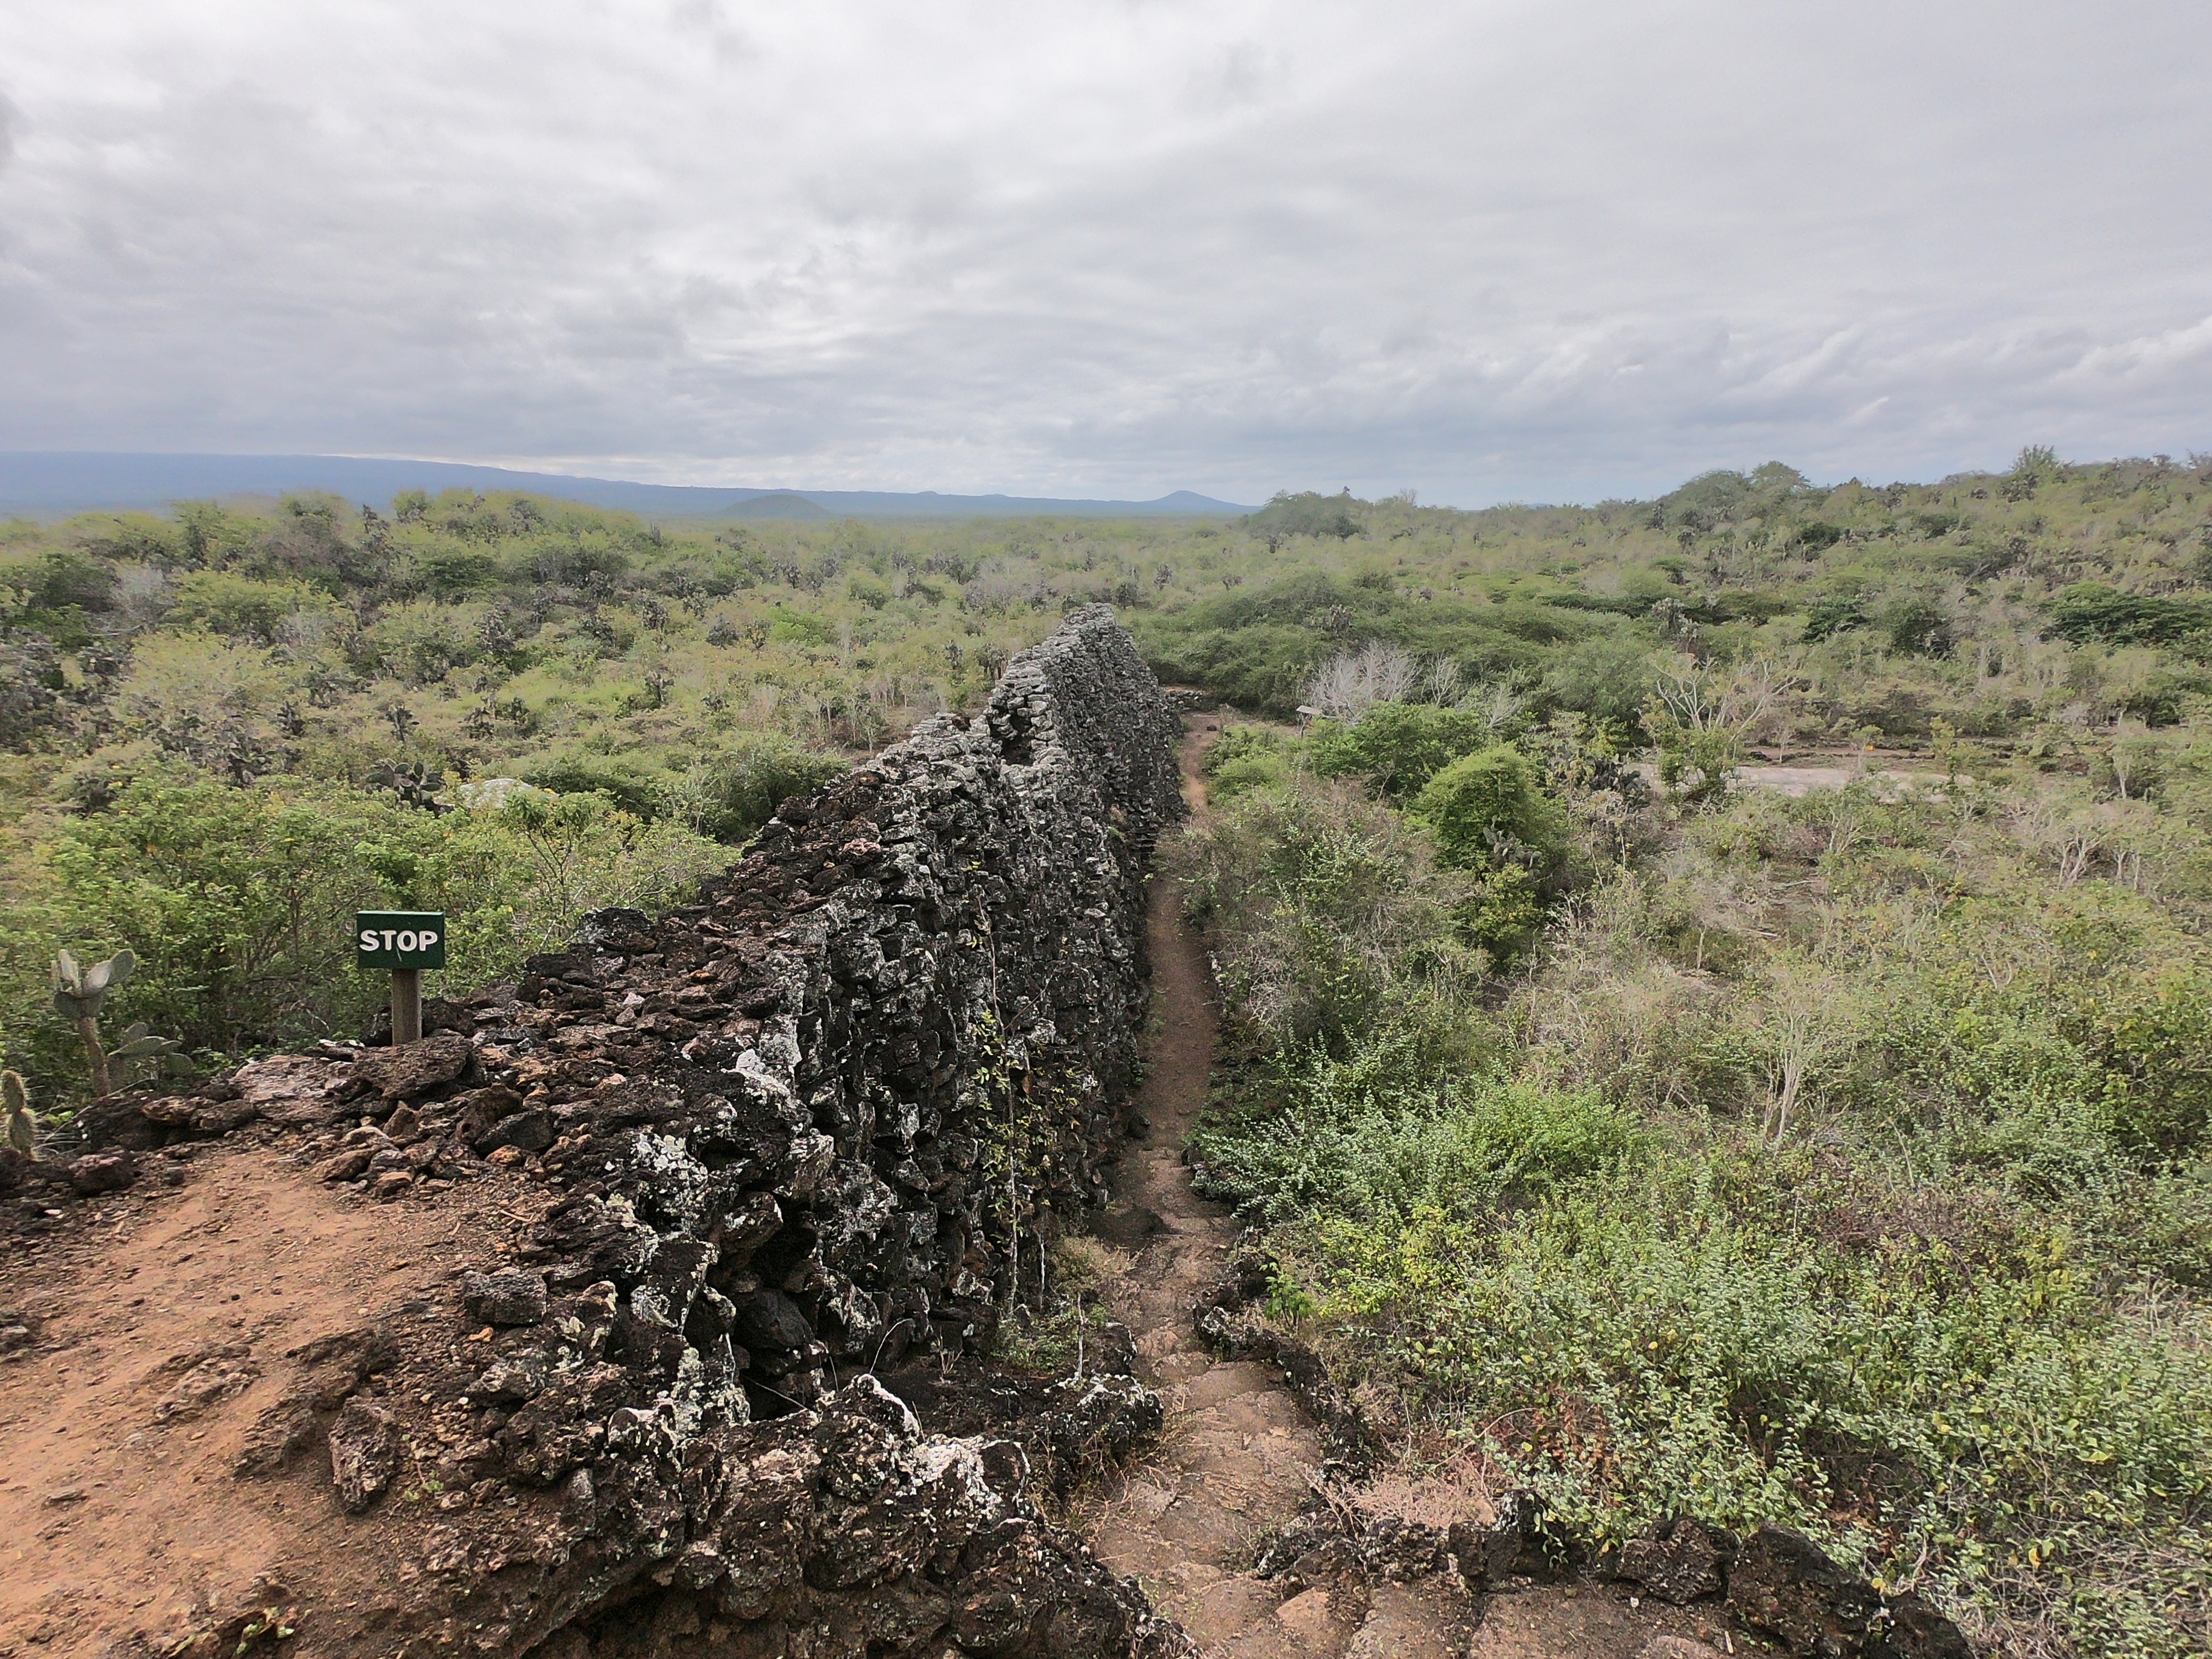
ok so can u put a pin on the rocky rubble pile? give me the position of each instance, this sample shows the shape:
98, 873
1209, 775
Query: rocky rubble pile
785, 1137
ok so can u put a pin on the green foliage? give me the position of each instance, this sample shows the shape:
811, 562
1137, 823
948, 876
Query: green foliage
1258, 647
798, 627
1826, 617
1332, 920
1838, 1164
1375, 1138
1488, 810
1306, 513
225, 602
2094, 610
740, 789
1243, 758
1397, 747
1606, 676
451, 573
1916, 626
81, 992
1504, 915
241, 901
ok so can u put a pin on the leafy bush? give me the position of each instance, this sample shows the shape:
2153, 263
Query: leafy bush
226, 603
1306, 513
1489, 809
1332, 920
1375, 1139
1398, 747
1826, 617
745, 784
1243, 758
1916, 626
2094, 610
238, 903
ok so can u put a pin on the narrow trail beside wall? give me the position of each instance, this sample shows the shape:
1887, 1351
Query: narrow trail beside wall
1239, 1452
1240, 1456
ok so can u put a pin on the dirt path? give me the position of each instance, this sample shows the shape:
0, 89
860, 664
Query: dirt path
1240, 1454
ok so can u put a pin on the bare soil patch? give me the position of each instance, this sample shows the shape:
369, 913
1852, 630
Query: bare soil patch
165, 1323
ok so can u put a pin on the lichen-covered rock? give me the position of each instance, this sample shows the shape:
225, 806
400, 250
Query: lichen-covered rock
511, 1296
364, 1446
785, 1115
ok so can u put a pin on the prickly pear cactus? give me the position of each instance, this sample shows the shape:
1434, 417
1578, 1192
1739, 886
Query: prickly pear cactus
144, 1053
81, 992
19, 1127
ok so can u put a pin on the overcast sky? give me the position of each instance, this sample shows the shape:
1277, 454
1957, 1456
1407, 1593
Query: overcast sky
1544, 251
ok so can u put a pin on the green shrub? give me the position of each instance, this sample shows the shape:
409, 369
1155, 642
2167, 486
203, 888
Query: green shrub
1504, 915
1397, 747
2095, 610
1488, 809
1332, 919
238, 904
1376, 1138
1244, 758
746, 783
451, 573
630, 782
226, 603
797, 627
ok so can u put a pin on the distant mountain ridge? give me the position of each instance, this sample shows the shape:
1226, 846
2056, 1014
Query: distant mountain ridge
71, 481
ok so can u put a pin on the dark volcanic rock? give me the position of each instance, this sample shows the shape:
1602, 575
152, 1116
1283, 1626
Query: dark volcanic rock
529, 1132
1784, 1585
364, 1451
418, 1068
509, 1297
1680, 1562
103, 1172
847, 1532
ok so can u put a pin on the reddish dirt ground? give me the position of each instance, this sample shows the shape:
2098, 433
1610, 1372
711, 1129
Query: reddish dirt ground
165, 1321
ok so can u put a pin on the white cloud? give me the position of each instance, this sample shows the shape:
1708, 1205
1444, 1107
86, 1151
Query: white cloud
1494, 250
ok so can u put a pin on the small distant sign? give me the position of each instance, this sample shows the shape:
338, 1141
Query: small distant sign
399, 939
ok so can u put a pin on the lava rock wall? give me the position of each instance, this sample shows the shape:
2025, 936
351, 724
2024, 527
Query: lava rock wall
806, 1122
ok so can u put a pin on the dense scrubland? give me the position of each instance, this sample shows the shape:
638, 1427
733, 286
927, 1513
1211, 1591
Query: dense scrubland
1836, 1161
1621, 1132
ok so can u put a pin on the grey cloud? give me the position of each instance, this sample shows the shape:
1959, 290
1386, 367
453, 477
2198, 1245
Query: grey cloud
1492, 251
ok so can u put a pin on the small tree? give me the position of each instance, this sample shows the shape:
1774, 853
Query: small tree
1700, 720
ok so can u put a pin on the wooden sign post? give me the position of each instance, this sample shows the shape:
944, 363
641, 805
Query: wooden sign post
406, 942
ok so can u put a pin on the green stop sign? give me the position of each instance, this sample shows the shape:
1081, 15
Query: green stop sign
399, 939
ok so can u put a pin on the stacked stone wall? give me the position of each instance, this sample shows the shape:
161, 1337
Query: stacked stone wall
878, 1053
